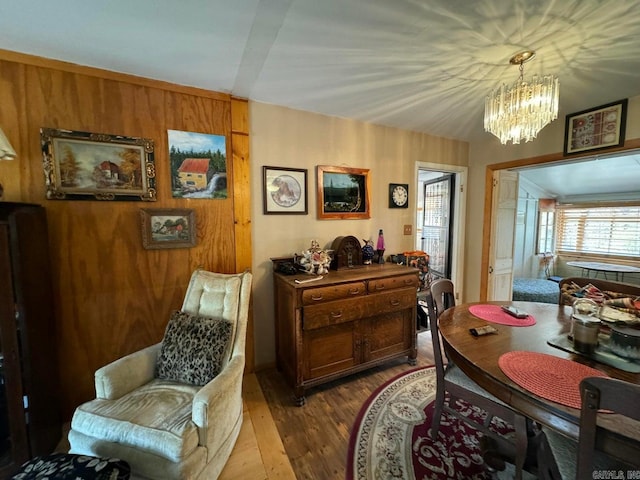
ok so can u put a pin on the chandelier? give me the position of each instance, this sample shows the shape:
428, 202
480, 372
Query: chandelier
520, 111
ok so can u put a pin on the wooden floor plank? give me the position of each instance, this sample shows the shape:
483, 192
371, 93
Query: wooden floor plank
245, 460
272, 450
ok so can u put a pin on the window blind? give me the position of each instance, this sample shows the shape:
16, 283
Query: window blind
608, 230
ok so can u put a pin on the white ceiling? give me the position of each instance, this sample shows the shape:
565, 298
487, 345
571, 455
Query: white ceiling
599, 177
422, 65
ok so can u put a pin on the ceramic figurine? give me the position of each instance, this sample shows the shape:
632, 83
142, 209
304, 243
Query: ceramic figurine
315, 261
367, 252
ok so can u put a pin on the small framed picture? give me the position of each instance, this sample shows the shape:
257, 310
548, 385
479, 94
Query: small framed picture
97, 166
284, 191
168, 228
596, 129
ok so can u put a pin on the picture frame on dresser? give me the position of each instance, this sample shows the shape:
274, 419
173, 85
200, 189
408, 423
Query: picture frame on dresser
343, 192
97, 166
598, 128
284, 191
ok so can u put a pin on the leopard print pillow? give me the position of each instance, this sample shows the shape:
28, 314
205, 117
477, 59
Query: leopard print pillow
193, 348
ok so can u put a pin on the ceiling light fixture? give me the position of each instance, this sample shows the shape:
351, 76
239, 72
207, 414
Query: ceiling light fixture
520, 111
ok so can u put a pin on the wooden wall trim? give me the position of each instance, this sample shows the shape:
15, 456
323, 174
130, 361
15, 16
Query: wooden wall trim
242, 203
36, 61
488, 201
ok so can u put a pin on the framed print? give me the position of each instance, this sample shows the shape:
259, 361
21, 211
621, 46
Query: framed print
284, 191
398, 195
198, 163
596, 129
97, 166
168, 228
343, 192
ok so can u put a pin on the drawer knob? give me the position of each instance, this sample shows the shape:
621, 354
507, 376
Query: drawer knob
379, 286
316, 298
354, 291
394, 303
336, 314
408, 281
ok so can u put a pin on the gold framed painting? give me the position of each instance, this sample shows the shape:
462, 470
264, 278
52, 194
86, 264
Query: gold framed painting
97, 166
343, 192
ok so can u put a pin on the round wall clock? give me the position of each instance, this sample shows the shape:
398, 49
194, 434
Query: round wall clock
398, 195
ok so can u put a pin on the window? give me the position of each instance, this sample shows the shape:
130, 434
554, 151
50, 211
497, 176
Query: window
605, 230
545, 232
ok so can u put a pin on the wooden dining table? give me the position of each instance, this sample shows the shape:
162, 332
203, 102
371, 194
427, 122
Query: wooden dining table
478, 358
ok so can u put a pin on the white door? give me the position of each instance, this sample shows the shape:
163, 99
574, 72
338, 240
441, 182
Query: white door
503, 219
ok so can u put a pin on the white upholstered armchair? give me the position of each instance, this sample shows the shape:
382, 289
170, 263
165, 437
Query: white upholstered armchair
163, 427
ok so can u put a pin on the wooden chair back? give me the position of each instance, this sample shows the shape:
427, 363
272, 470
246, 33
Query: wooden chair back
616, 396
442, 297
443, 294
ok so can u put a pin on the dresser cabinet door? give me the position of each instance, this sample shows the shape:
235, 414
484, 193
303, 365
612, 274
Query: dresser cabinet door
330, 350
386, 335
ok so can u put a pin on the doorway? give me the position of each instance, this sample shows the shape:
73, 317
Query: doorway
547, 164
436, 225
440, 219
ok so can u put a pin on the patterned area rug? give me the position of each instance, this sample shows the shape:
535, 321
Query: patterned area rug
390, 438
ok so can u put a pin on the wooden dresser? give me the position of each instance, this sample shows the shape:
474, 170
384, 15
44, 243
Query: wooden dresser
348, 321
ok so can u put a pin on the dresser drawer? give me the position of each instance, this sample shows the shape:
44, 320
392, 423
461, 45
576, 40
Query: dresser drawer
333, 313
312, 296
391, 301
390, 283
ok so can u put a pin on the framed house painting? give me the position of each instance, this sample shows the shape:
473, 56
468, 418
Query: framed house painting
198, 164
168, 228
97, 166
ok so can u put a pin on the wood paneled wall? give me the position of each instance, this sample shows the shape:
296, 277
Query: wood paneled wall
112, 296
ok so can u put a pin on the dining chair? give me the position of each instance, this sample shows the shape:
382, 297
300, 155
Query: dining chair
452, 381
582, 458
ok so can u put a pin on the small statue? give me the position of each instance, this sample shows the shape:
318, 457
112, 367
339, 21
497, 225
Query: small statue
367, 252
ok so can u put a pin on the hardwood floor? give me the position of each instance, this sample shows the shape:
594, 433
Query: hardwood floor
316, 436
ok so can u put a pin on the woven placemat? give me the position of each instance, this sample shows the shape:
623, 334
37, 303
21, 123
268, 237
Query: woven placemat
552, 378
495, 314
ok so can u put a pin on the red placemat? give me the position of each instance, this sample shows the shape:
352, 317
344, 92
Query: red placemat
495, 314
553, 378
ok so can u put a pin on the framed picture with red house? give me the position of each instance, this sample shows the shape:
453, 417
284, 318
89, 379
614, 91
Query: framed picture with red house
97, 166
168, 228
198, 163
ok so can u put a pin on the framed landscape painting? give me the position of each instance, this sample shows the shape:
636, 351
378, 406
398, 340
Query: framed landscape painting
97, 166
343, 192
